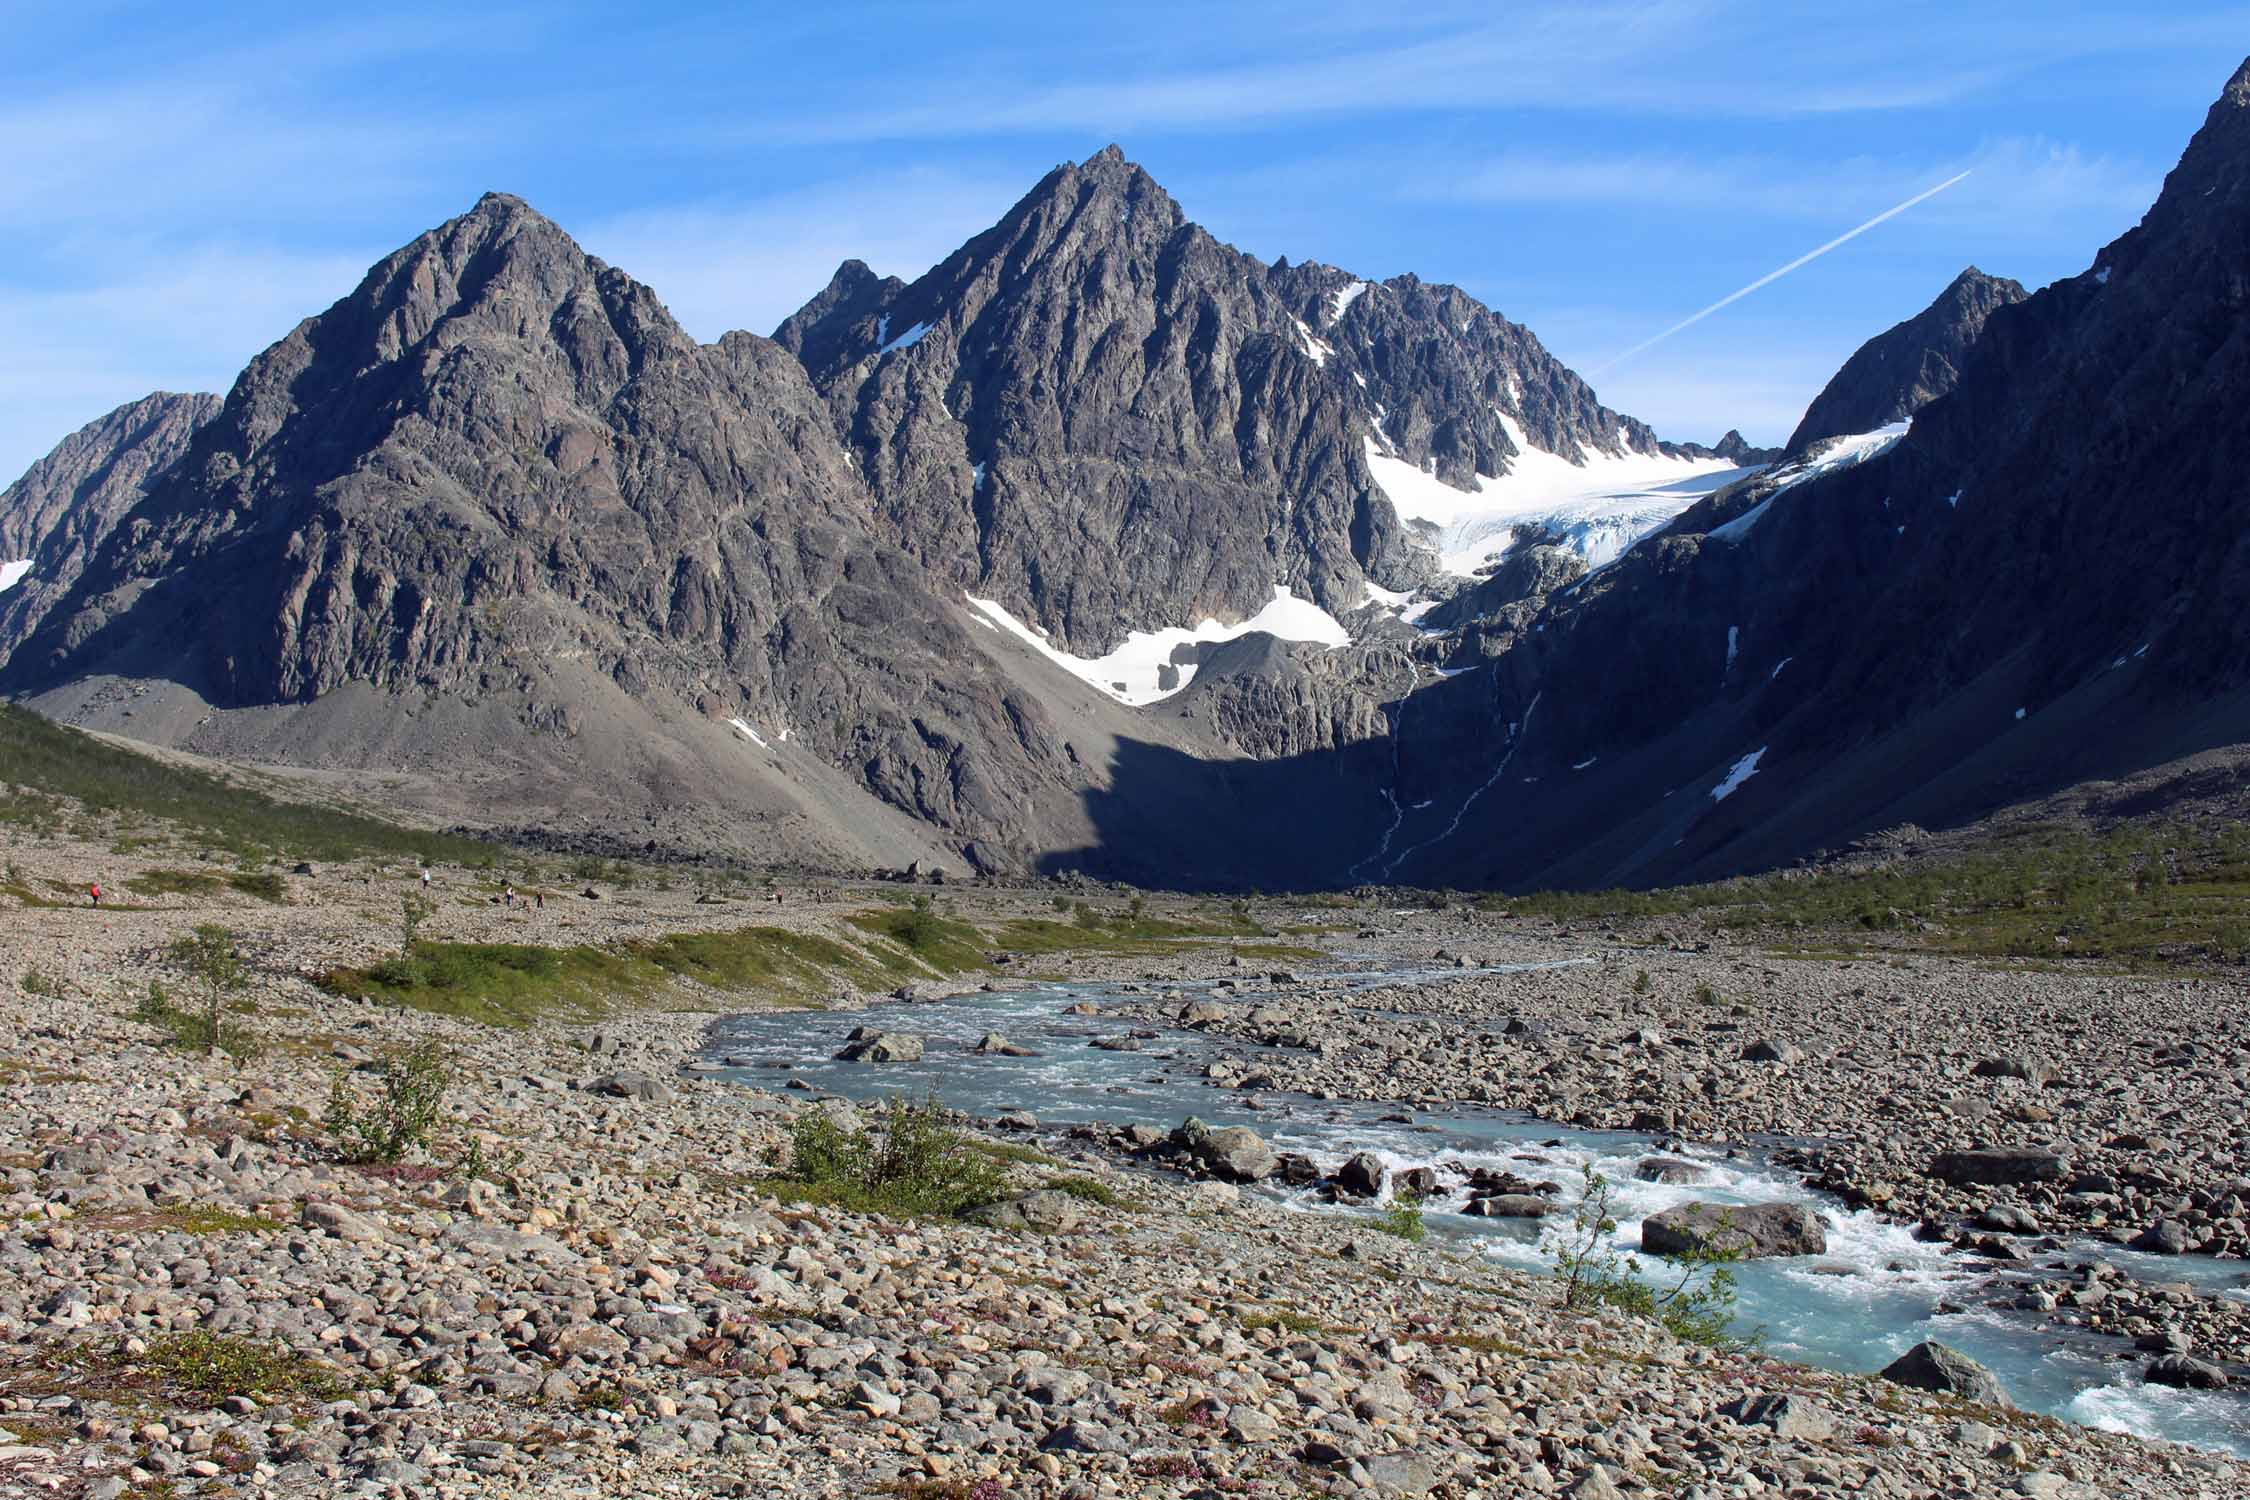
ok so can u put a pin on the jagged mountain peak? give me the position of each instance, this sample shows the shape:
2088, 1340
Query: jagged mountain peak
1908, 365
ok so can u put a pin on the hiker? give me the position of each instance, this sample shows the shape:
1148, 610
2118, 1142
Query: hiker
96, 888
425, 877
540, 898
508, 896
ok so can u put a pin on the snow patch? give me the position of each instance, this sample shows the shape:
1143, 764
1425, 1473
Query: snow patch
906, 340
1316, 350
1741, 771
1777, 666
1598, 508
13, 573
1841, 453
2020, 712
2101, 277
1734, 645
755, 738
1953, 501
1136, 673
1388, 598
1582, 765
1338, 301
976, 477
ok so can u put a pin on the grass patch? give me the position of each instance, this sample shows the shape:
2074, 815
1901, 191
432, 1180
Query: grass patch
2144, 898
175, 883
1287, 1322
51, 763
204, 1218
1009, 1151
204, 1369
922, 940
512, 984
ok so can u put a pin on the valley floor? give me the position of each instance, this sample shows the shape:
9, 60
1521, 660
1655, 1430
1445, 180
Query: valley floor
198, 1296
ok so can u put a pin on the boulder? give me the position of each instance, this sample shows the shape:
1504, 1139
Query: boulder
1201, 1013
993, 1044
1231, 1153
1669, 1169
1931, 1366
1362, 1175
2186, 1372
882, 1047
1045, 1211
1755, 1231
2011, 1067
1998, 1166
1797, 1418
2165, 1237
1509, 1206
627, 1085
1766, 1050
337, 1220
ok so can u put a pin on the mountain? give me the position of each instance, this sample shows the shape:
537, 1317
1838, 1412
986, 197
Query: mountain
1907, 366
1106, 546
59, 512
2034, 583
494, 519
1109, 422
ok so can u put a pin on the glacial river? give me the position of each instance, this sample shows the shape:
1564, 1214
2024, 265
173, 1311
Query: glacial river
1876, 1293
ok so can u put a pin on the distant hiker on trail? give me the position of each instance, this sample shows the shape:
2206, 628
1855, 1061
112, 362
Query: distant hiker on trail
540, 898
96, 888
425, 877
508, 895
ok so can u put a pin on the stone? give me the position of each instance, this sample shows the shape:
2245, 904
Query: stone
1201, 1013
1044, 1211
1362, 1175
629, 1085
1231, 1153
1754, 1231
1668, 1169
337, 1220
1797, 1418
2165, 1237
1931, 1366
2186, 1372
993, 1044
882, 1047
1247, 1424
1509, 1206
1400, 1473
1766, 1050
2010, 1067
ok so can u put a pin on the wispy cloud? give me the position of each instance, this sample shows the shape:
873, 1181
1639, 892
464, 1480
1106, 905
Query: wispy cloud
2024, 182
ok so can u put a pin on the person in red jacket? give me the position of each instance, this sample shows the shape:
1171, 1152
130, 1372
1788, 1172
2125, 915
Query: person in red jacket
96, 888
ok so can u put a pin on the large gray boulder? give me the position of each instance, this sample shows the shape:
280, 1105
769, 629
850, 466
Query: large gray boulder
1931, 1366
1044, 1211
1231, 1153
1754, 1231
882, 1047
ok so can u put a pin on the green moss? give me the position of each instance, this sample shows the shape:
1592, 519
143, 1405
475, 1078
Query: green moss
210, 1367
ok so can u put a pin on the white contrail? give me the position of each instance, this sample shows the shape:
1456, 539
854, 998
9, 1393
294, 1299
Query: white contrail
1772, 276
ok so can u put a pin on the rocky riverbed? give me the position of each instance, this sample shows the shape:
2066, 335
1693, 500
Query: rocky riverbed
198, 1296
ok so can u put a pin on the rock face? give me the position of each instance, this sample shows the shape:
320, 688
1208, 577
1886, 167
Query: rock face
499, 474
1108, 420
63, 507
1907, 366
1844, 642
1931, 1366
1755, 1231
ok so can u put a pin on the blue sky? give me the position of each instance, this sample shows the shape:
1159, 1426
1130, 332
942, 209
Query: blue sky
185, 182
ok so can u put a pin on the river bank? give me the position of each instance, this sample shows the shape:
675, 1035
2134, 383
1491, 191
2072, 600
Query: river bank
621, 1308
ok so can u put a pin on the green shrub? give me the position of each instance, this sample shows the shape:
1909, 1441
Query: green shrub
913, 1162
1403, 1218
409, 1099
1695, 1304
209, 957
193, 1029
36, 983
